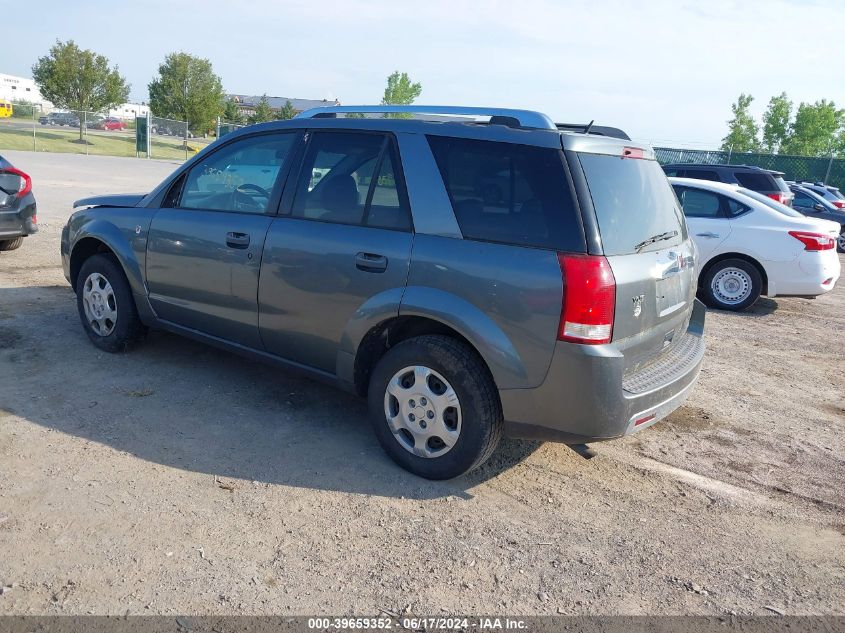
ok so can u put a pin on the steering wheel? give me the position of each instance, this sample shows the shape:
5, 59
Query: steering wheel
245, 201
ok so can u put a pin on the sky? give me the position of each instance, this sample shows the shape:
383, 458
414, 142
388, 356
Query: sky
666, 71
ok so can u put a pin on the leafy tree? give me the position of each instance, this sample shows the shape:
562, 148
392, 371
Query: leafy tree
400, 90
742, 129
231, 112
263, 112
776, 123
78, 79
188, 90
814, 131
287, 111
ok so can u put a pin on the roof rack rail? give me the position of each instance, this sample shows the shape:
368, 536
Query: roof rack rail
589, 128
525, 118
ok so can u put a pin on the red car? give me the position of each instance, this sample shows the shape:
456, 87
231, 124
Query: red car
110, 123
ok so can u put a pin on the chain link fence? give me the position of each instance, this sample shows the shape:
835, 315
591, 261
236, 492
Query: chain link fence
815, 169
32, 127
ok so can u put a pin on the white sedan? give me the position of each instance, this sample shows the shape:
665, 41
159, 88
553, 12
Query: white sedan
750, 245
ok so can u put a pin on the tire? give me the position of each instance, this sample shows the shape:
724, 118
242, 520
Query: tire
840, 242
731, 284
12, 244
107, 311
456, 376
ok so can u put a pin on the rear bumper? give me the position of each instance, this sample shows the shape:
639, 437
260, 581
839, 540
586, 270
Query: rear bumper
586, 397
813, 273
19, 220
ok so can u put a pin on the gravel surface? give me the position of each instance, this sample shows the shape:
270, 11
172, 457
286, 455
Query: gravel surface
181, 479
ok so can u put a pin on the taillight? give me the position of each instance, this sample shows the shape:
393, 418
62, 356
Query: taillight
839, 204
25, 185
589, 299
814, 241
779, 197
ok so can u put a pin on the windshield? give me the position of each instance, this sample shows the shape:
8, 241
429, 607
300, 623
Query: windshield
772, 204
634, 203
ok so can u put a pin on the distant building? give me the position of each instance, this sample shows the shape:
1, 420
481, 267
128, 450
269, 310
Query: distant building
19, 89
247, 103
129, 110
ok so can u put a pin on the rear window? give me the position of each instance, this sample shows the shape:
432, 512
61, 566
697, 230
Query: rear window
508, 193
633, 202
772, 204
758, 181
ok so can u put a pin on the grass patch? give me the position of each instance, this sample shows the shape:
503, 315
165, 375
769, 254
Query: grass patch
101, 143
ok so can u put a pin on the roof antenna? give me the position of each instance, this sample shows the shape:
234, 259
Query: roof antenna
589, 126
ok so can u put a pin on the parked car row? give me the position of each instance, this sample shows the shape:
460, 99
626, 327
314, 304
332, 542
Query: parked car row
93, 122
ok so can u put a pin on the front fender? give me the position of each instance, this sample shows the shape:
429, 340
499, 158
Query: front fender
126, 238
506, 365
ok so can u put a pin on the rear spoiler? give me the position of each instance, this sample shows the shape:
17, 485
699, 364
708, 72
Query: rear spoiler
589, 128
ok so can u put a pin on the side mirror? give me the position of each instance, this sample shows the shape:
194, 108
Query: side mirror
818, 207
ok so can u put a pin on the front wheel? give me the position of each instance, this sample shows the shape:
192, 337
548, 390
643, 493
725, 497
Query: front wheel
732, 284
434, 407
105, 304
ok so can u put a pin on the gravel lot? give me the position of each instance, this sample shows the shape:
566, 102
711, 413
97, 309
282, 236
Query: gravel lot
181, 479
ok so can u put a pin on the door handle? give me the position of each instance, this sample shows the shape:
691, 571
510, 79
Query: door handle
237, 240
708, 235
371, 262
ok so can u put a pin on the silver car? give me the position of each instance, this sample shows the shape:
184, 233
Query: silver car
561, 308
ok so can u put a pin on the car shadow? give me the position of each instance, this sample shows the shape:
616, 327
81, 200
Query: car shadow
762, 307
182, 404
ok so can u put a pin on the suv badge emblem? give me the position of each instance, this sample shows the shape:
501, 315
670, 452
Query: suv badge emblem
638, 304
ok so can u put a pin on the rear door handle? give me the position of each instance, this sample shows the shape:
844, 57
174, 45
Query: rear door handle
237, 240
708, 235
371, 262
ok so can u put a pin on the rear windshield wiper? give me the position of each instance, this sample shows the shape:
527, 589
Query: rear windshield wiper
668, 235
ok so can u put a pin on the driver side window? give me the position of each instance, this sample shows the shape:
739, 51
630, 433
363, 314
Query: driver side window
239, 177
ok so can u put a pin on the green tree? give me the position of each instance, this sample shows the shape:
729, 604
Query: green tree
742, 129
287, 111
188, 90
78, 79
776, 123
814, 131
231, 112
263, 112
400, 90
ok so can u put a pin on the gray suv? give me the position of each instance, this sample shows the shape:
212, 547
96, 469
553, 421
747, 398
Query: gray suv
371, 253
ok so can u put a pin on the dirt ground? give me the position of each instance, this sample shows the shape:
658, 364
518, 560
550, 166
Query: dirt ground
181, 479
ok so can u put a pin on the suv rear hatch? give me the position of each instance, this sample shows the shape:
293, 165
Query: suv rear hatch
644, 238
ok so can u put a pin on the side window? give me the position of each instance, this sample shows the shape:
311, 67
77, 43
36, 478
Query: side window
239, 176
700, 204
338, 183
803, 200
736, 208
509, 193
386, 209
673, 172
702, 174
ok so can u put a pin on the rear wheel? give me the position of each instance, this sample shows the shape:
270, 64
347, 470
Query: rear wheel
840, 242
10, 245
105, 304
434, 407
732, 284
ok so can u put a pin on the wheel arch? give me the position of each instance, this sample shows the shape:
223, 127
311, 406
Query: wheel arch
732, 255
102, 237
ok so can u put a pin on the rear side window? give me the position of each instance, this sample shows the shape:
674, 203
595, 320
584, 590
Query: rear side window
508, 193
634, 202
756, 181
